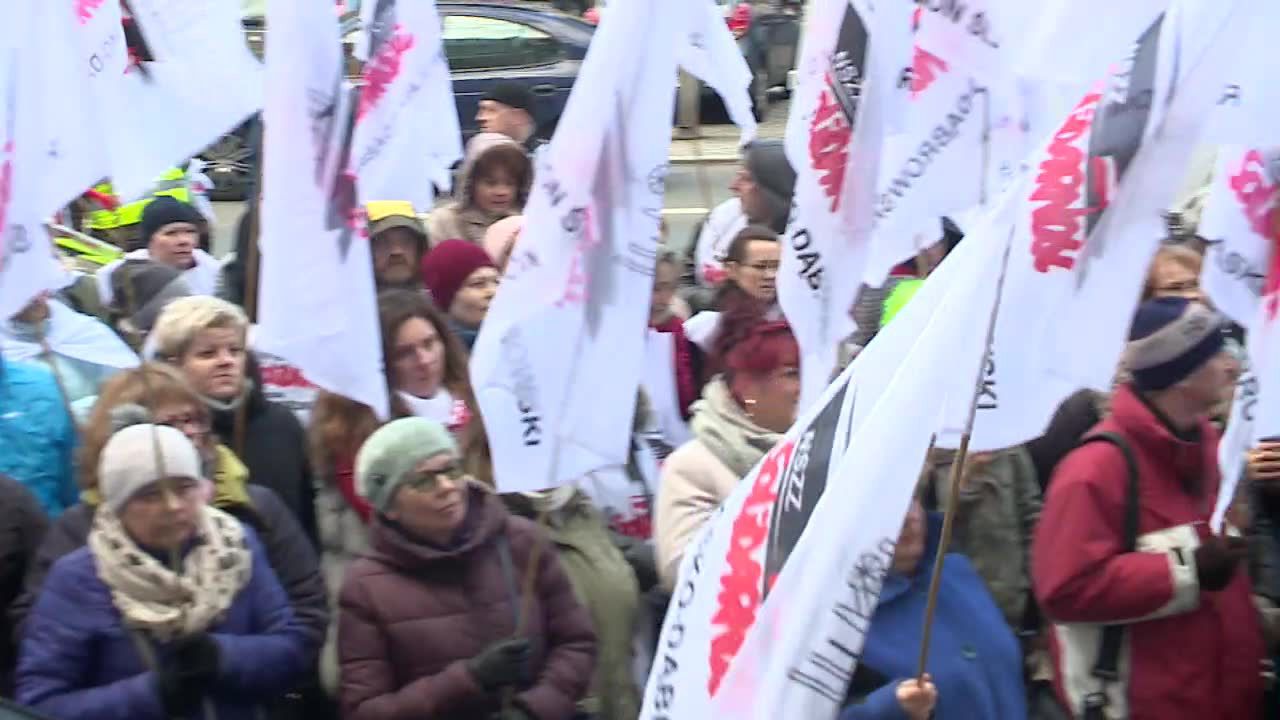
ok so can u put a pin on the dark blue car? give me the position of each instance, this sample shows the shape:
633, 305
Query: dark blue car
485, 42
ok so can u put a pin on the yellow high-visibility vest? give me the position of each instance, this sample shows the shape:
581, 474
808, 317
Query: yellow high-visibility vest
172, 183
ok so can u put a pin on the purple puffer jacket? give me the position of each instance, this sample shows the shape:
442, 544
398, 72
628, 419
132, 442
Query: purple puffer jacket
78, 661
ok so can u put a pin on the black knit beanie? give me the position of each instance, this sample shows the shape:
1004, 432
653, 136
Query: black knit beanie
164, 210
766, 160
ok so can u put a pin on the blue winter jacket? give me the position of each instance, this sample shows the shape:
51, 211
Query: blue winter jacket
974, 657
78, 662
37, 437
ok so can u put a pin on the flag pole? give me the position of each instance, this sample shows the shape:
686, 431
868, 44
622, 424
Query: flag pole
957, 470
251, 264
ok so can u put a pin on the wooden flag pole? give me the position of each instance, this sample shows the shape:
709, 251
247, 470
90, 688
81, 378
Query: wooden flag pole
957, 470
251, 264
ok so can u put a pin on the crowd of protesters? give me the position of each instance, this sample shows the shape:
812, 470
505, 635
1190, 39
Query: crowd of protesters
176, 543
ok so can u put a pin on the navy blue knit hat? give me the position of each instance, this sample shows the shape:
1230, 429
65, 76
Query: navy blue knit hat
1169, 340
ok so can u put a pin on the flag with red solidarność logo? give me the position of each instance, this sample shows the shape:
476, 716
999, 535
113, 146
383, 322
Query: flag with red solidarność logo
407, 136
558, 360
317, 308
711, 53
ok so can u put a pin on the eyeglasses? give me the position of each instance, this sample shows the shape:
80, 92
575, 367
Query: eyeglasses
432, 479
187, 424
764, 266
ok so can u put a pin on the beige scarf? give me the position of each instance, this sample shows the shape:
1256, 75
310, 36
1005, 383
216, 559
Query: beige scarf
151, 596
727, 431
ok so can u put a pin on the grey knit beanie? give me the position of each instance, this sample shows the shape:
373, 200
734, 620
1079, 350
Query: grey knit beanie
387, 458
128, 463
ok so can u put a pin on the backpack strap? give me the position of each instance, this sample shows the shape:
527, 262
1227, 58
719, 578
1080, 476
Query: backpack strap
1106, 668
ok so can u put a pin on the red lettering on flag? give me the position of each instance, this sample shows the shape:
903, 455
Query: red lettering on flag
1256, 194
85, 9
925, 69
829, 136
741, 587
1056, 230
383, 69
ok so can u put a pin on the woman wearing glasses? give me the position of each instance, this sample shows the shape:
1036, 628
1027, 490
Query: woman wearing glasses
159, 394
432, 622
750, 285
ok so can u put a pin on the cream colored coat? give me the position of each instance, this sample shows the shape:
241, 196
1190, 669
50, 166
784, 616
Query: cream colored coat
693, 484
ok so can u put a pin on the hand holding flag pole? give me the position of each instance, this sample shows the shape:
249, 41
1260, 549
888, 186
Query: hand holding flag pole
957, 470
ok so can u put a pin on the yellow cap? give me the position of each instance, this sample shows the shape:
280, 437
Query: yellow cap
378, 209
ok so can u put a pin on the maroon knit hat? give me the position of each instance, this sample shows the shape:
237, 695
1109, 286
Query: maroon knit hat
447, 266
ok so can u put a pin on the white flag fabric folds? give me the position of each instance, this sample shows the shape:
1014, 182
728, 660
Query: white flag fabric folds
711, 53
407, 136
833, 142
200, 81
28, 179
316, 299
558, 360
1235, 224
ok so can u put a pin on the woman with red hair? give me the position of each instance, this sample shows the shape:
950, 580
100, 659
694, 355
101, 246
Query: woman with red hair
743, 412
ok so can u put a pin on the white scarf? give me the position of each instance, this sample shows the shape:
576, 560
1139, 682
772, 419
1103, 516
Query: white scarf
441, 407
202, 277
150, 596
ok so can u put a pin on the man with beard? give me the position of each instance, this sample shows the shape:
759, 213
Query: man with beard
398, 240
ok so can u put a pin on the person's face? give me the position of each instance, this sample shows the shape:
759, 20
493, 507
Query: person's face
754, 203
190, 420
776, 395
493, 116
162, 515
433, 503
758, 272
1206, 387
215, 362
471, 303
175, 244
395, 257
910, 548
665, 277
418, 359
496, 191
1170, 278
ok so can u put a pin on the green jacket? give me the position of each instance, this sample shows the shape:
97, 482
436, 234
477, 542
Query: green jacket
607, 587
999, 506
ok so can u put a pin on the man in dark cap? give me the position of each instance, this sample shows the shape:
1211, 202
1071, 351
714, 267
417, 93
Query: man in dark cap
170, 232
765, 183
508, 109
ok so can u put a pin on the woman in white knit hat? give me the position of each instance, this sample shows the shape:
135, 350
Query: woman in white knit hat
171, 610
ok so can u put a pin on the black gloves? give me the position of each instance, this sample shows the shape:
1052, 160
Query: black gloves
1216, 561
503, 663
640, 556
187, 676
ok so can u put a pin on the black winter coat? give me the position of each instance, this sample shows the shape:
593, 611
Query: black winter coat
275, 451
22, 528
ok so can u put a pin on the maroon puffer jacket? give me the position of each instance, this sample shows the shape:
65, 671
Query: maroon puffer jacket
411, 615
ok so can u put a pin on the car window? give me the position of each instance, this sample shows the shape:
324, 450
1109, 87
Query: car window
481, 43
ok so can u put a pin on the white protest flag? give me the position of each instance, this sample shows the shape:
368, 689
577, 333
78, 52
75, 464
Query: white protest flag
729, 642
711, 53
1242, 272
1234, 223
200, 81
317, 308
833, 141
27, 262
1091, 218
558, 360
407, 136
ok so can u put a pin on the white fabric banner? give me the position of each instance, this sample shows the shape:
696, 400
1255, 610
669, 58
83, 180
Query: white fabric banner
1235, 224
659, 383
407, 135
558, 360
201, 82
28, 265
711, 53
1236, 443
1092, 207
754, 568
73, 335
317, 308
833, 141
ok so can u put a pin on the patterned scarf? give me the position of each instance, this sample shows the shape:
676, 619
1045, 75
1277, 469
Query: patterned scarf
151, 596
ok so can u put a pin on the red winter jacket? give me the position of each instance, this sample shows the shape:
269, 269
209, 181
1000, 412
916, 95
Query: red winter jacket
1187, 653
